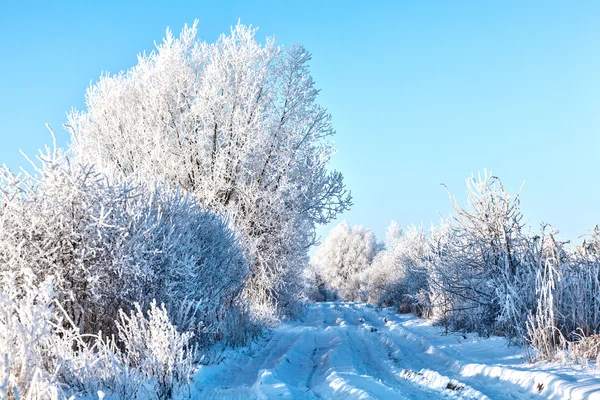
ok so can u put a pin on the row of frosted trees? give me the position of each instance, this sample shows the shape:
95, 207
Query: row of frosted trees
479, 270
180, 217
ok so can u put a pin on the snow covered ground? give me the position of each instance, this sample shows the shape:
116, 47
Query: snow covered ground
352, 350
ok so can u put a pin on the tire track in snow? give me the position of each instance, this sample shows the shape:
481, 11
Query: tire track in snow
348, 350
424, 362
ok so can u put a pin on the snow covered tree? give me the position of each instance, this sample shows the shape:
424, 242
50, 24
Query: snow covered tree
344, 258
398, 274
236, 124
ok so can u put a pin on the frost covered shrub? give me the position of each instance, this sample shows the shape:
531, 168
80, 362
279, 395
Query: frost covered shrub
44, 356
109, 244
398, 274
149, 352
68, 222
584, 349
566, 321
580, 286
481, 261
198, 264
487, 274
27, 364
156, 348
344, 259
236, 124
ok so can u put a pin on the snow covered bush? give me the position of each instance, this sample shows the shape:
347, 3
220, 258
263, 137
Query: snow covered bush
487, 274
542, 330
111, 243
583, 349
566, 321
44, 356
27, 366
579, 286
155, 347
236, 124
344, 258
398, 274
481, 262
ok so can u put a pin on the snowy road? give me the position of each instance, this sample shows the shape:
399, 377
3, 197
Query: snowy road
351, 350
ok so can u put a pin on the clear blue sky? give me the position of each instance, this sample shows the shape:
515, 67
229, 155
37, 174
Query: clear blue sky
421, 92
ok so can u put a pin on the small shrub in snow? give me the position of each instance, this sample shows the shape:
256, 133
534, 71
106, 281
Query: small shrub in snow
585, 349
542, 329
156, 348
44, 356
566, 321
27, 363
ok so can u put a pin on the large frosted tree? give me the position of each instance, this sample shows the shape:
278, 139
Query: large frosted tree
236, 123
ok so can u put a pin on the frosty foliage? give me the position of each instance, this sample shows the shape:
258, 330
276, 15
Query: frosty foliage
482, 255
398, 274
150, 358
488, 274
236, 124
479, 270
343, 261
111, 243
27, 363
156, 348
566, 321
44, 356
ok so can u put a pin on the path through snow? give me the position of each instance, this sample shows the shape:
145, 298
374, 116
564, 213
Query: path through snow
352, 350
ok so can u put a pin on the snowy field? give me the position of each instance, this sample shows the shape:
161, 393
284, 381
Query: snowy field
352, 350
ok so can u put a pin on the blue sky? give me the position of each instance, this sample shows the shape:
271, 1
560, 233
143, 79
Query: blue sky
421, 93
